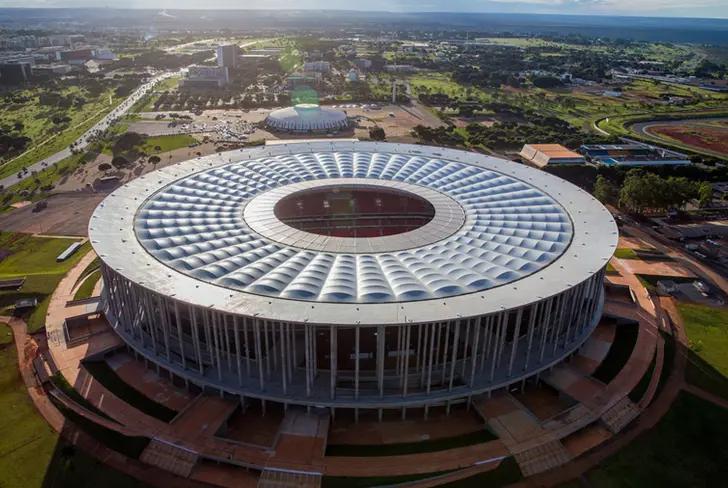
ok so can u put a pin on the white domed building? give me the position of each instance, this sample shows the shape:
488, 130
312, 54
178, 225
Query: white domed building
307, 118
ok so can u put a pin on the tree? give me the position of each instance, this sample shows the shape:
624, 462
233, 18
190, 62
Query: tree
376, 133
643, 192
119, 162
127, 141
705, 194
604, 190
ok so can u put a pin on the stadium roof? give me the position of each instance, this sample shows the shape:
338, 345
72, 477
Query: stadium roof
203, 231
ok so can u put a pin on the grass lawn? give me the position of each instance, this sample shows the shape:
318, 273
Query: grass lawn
478, 437
619, 352
167, 143
686, 448
92, 266
36, 255
34, 258
32, 455
707, 330
6, 334
290, 58
86, 290
39, 286
625, 253
27, 442
111, 381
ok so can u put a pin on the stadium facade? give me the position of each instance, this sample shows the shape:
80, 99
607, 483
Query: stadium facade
352, 274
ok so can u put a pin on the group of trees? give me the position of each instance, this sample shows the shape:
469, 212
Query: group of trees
443, 136
12, 142
512, 135
645, 192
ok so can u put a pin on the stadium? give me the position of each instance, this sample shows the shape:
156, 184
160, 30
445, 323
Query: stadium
352, 275
307, 118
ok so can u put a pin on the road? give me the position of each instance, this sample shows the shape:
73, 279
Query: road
102, 124
85, 138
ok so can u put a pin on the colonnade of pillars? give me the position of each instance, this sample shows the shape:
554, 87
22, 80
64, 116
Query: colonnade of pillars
339, 364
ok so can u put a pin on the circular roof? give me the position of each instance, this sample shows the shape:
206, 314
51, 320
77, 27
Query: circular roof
204, 231
306, 117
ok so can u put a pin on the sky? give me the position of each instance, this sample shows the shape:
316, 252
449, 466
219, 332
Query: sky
661, 8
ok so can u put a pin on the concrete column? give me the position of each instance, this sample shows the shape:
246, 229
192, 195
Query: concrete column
466, 348
284, 368
165, 326
356, 362
496, 344
474, 354
216, 343
258, 352
486, 342
516, 334
196, 339
431, 357
445, 351
307, 356
380, 359
236, 331
246, 345
180, 334
332, 359
455, 345
531, 325
408, 334
267, 347
545, 326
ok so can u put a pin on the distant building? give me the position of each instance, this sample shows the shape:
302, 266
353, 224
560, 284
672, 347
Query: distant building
18, 58
632, 154
105, 54
227, 55
400, 68
206, 77
307, 118
51, 69
15, 73
542, 155
316, 67
352, 75
362, 63
75, 56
